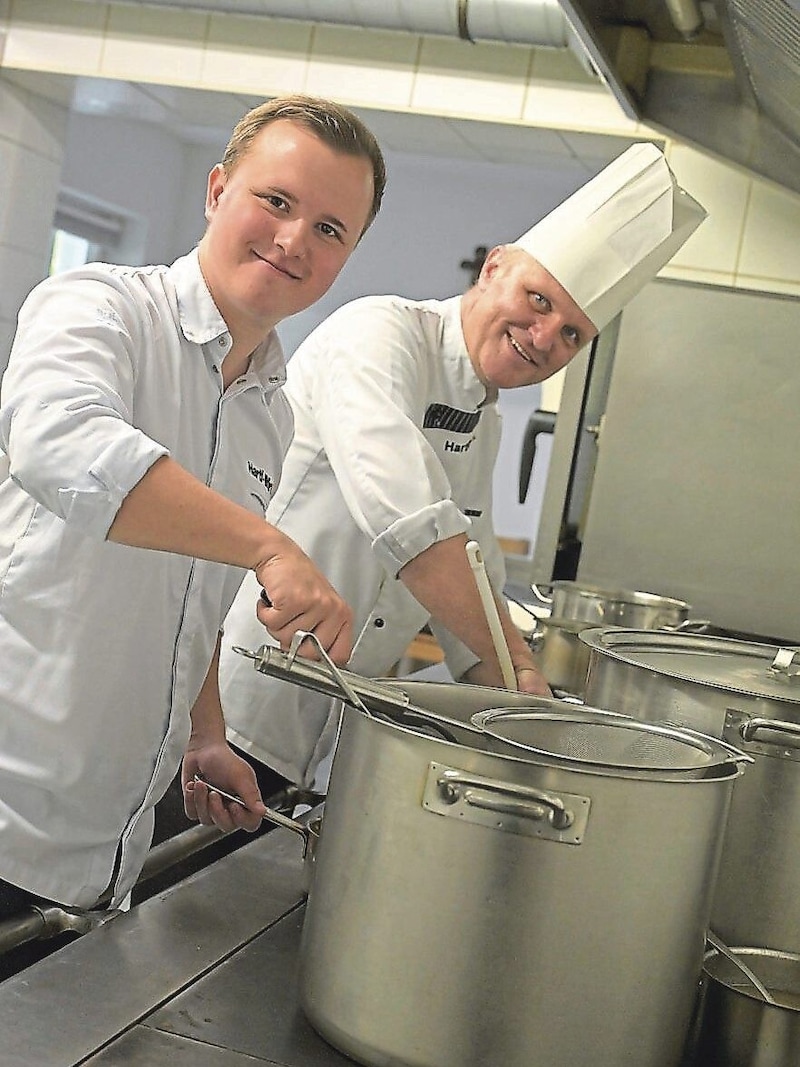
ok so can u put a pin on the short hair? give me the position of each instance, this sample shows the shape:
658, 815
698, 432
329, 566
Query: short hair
333, 124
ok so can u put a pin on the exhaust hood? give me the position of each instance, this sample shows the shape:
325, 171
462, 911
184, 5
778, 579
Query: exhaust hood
723, 76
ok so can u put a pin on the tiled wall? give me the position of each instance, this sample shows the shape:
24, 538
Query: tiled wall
752, 238
32, 132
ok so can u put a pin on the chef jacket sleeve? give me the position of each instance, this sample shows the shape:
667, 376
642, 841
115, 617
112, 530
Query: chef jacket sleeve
369, 393
66, 409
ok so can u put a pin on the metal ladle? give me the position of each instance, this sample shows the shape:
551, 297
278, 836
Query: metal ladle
740, 965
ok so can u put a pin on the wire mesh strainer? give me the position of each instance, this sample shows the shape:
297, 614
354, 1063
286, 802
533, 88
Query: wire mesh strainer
602, 740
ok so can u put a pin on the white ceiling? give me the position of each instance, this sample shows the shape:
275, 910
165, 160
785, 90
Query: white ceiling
198, 116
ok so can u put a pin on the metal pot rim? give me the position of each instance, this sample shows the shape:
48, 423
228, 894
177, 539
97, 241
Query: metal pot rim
687, 651
625, 596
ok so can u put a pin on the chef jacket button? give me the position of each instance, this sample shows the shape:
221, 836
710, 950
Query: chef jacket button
221, 341
379, 623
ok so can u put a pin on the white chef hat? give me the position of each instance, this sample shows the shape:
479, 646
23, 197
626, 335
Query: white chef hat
615, 233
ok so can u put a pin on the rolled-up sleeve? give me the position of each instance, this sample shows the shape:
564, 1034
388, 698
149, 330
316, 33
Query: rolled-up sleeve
66, 403
368, 397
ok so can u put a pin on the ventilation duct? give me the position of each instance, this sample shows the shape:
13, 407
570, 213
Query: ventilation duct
734, 90
535, 23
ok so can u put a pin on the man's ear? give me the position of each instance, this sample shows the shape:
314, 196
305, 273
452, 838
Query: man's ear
216, 183
490, 264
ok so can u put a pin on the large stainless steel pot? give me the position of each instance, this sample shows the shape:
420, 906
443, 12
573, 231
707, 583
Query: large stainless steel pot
736, 1027
748, 694
472, 908
603, 606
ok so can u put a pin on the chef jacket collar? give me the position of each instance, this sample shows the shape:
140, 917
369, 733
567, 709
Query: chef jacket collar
455, 350
201, 322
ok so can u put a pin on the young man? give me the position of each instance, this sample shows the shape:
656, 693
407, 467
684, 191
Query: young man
396, 435
144, 428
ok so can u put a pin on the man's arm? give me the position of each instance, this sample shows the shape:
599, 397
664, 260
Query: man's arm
171, 510
441, 579
209, 755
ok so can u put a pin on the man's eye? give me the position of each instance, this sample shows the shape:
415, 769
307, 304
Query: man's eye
330, 231
572, 335
275, 201
540, 301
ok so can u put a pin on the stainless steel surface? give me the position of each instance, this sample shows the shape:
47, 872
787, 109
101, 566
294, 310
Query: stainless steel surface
205, 973
683, 498
740, 964
733, 90
95, 1000
728, 689
578, 921
735, 1027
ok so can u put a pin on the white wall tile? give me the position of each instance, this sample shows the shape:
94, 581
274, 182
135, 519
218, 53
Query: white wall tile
458, 78
32, 120
723, 192
590, 108
769, 285
53, 36
697, 274
27, 269
771, 242
7, 327
151, 44
28, 200
256, 55
369, 67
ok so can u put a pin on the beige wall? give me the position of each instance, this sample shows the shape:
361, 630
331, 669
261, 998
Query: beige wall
751, 240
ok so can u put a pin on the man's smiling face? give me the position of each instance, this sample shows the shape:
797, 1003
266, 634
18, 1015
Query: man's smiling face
281, 225
520, 324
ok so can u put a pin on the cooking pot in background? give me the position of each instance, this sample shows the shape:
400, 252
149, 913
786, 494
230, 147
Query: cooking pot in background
617, 607
748, 694
573, 606
559, 654
735, 1026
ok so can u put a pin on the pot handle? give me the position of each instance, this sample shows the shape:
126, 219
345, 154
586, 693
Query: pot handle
276, 817
689, 626
537, 592
749, 730
784, 658
523, 809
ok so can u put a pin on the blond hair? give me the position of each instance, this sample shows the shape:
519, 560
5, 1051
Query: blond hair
333, 124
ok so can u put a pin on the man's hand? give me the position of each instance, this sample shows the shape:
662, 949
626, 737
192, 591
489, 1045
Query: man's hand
219, 765
299, 597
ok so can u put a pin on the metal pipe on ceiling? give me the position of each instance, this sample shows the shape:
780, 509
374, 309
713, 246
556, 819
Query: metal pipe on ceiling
687, 18
536, 23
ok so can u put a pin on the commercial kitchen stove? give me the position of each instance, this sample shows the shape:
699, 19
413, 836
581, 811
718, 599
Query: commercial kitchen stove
204, 974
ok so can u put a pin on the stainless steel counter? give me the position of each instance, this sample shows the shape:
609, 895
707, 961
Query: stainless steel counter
204, 973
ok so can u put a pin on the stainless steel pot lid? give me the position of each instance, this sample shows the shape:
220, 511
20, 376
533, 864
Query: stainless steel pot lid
720, 662
625, 596
603, 740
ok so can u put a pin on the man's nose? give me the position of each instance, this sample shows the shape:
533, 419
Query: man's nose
291, 237
544, 331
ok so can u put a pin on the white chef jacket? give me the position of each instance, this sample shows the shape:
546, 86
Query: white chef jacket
105, 647
394, 450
